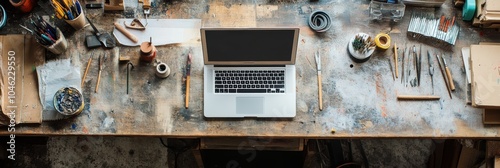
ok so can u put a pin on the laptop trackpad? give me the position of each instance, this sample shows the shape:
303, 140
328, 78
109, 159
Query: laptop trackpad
249, 105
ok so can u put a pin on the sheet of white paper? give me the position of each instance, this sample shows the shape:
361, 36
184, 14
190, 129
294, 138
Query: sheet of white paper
52, 76
162, 31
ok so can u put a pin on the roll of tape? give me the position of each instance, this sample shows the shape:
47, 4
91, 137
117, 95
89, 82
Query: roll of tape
162, 70
383, 41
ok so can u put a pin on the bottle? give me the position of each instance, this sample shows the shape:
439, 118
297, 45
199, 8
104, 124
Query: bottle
148, 51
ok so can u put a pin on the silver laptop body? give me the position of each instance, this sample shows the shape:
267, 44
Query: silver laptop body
249, 72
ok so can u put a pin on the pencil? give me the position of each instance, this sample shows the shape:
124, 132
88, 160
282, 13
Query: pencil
188, 77
86, 70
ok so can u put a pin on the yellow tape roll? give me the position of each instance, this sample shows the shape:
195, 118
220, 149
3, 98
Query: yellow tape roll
383, 41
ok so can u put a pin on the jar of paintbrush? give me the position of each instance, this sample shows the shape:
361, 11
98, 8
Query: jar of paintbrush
71, 11
46, 35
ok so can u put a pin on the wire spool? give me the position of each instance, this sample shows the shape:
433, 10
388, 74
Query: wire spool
319, 21
68, 101
383, 41
162, 70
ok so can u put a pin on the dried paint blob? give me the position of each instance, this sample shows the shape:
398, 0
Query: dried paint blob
68, 101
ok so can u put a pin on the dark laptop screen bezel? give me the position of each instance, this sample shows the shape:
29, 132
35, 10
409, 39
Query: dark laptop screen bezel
288, 62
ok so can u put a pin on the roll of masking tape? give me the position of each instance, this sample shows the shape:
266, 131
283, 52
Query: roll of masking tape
383, 41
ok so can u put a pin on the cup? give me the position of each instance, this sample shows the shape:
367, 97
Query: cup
60, 45
24, 6
79, 22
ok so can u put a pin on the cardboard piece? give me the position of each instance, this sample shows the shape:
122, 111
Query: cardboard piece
18, 88
485, 75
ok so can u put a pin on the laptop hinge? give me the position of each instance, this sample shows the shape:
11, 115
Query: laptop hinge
249, 65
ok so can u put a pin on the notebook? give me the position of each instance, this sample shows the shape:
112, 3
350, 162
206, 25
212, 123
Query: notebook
249, 72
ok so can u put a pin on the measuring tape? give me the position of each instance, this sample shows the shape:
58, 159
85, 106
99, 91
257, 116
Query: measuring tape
383, 41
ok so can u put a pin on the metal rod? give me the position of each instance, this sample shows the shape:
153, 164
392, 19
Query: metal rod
128, 73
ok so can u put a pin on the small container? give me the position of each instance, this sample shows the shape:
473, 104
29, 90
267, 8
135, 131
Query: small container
162, 70
148, 51
363, 53
24, 6
60, 45
68, 101
387, 11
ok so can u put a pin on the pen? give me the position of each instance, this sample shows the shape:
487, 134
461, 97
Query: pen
188, 76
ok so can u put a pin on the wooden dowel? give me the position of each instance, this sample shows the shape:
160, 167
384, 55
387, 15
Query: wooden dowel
86, 70
129, 35
418, 97
396, 59
98, 81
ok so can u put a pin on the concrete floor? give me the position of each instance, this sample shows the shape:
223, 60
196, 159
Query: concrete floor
98, 151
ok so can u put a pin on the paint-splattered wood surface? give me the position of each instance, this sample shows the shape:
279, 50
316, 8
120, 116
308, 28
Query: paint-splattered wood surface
359, 98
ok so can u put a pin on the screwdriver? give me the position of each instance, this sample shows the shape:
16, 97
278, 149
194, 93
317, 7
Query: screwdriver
448, 73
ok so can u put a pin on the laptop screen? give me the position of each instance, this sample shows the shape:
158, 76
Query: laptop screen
252, 46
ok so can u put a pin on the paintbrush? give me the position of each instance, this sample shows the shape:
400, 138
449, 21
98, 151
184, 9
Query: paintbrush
188, 76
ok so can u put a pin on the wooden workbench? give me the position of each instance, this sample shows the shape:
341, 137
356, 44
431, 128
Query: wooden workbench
359, 98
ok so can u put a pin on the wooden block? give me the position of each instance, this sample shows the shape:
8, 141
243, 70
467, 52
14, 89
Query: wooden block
484, 74
491, 116
124, 59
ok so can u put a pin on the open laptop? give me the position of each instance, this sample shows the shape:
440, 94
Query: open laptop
249, 72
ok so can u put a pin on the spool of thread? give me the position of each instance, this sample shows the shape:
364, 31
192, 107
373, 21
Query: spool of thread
148, 52
383, 41
162, 70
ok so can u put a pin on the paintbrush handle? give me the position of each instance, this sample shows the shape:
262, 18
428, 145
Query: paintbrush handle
187, 90
98, 81
86, 70
450, 79
320, 92
396, 59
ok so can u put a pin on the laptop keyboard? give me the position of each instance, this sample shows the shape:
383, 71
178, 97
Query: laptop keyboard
249, 81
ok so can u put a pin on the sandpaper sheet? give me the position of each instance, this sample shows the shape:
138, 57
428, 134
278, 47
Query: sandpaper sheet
162, 31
